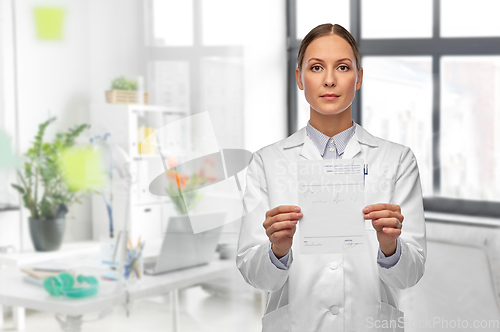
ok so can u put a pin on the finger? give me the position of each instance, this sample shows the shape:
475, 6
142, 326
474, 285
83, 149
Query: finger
282, 217
287, 216
276, 236
282, 209
381, 206
384, 214
392, 231
276, 227
378, 224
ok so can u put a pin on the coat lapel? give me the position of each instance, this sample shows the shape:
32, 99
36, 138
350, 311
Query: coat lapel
308, 150
353, 147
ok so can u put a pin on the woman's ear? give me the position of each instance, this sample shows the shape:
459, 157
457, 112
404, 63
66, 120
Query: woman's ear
298, 78
359, 78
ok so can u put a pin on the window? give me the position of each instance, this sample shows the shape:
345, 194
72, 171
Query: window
470, 127
172, 23
463, 18
185, 42
222, 30
439, 63
310, 12
397, 105
413, 19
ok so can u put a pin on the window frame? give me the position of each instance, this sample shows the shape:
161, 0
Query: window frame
436, 47
193, 54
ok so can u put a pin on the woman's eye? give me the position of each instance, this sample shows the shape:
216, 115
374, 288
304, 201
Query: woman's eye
315, 67
346, 68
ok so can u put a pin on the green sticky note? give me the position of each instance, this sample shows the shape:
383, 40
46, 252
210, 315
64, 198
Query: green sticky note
49, 23
82, 168
7, 157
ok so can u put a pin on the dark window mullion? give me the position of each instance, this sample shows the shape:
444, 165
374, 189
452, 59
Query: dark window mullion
355, 14
436, 101
436, 123
292, 49
425, 46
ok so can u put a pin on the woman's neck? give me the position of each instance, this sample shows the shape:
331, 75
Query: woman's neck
331, 124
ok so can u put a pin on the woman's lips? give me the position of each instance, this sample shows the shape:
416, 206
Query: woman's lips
330, 97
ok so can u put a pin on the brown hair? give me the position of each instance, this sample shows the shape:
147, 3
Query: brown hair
326, 30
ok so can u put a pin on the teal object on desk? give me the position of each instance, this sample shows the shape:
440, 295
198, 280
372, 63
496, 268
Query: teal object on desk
64, 282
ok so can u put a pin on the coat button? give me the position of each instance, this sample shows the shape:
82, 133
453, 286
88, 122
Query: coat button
334, 310
334, 265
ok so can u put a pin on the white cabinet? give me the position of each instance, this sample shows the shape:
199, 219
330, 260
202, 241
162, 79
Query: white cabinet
127, 126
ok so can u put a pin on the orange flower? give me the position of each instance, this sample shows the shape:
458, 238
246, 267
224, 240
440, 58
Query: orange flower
171, 174
182, 181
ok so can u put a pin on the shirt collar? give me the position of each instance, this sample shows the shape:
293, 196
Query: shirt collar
321, 141
360, 134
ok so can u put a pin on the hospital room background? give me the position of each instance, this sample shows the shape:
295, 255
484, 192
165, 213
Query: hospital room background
103, 76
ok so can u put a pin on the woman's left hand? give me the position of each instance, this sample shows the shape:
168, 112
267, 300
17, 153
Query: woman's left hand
387, 221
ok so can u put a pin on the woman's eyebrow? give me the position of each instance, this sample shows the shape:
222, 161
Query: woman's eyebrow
320, 60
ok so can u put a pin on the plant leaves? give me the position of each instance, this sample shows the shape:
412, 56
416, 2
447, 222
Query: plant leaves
42, 173
19, 188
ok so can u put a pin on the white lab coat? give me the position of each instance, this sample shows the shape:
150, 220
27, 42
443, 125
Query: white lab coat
332, 292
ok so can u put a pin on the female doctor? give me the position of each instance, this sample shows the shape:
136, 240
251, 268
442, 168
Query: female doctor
332, 292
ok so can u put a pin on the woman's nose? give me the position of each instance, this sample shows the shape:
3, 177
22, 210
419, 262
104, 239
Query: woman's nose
330, 79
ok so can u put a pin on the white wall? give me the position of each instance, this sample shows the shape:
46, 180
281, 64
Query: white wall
53, 76
3, 14
53, 80
62, 78
7, 71
265, 73
114, 43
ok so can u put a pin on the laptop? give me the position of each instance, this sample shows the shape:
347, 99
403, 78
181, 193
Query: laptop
182, 249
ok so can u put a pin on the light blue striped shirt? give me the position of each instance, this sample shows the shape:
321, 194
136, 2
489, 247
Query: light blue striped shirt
333, 148
330, 147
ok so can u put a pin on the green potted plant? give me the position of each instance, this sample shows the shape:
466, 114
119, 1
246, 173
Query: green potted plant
124, 91
43, 188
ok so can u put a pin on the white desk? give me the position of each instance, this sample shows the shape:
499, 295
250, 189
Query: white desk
15, 292
33, 257
173, 281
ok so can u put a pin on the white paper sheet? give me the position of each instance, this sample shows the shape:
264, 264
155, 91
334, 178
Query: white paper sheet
331, 198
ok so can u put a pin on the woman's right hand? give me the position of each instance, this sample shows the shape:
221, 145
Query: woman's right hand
280, 225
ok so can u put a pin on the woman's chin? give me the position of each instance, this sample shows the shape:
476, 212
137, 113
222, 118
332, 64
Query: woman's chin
331, 112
